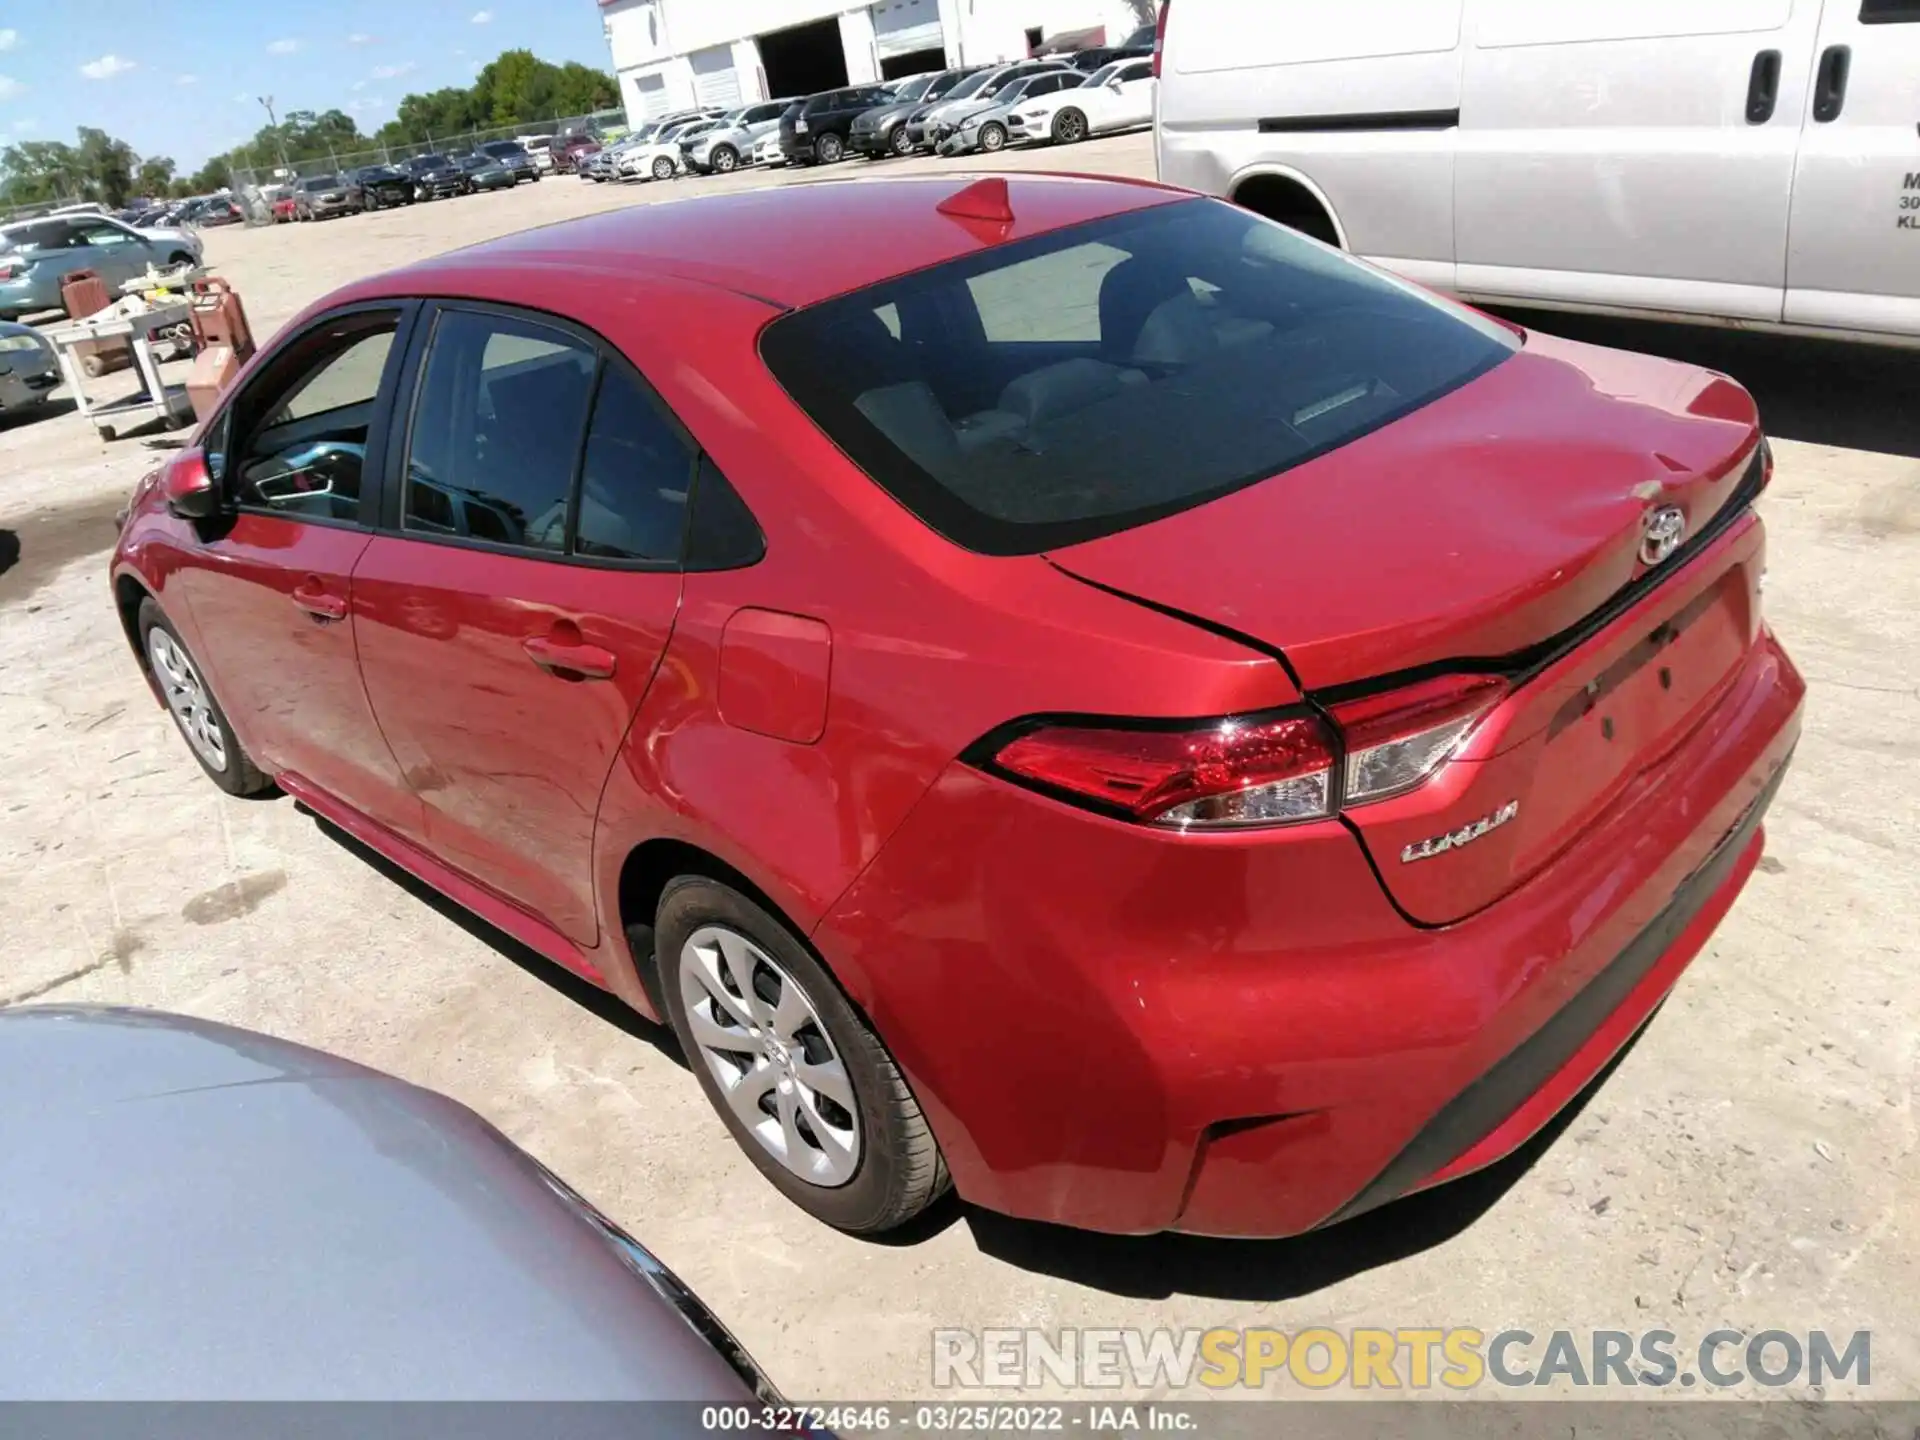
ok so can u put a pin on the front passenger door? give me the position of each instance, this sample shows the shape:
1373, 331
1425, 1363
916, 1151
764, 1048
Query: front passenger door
512, 613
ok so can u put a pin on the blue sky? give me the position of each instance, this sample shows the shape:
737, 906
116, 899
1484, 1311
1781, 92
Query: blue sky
65, 63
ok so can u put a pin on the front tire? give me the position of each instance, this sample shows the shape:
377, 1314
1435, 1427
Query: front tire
993, 136
724, 159
806, 1089
201, 721
1069, 127
662, 168
828, 149
900, 143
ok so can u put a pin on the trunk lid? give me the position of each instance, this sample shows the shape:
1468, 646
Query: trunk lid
1501, 527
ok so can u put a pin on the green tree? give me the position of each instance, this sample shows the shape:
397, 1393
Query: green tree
155, 176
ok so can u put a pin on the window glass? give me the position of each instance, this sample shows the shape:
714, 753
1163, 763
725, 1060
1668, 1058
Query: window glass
306, 418
108, 235
633, 485
1889, 12
1064, 406
497, 430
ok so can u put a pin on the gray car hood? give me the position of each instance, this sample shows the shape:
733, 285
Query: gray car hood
196, 1212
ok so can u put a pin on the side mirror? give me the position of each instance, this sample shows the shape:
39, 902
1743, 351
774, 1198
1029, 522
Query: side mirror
188, 487
1114, 84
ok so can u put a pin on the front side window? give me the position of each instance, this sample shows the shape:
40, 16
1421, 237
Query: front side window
496, 433
303, 423
1097, 377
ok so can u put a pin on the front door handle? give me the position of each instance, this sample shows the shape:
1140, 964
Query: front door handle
1763, 87
1830, 88
316, 602
570, 657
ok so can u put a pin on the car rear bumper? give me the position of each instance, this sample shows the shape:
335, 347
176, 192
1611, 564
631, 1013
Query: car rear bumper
796, 151
1125, 1030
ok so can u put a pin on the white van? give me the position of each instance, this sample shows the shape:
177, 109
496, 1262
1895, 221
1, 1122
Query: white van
1747, 162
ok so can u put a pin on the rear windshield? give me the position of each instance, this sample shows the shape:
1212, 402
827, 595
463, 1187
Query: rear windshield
1094, 378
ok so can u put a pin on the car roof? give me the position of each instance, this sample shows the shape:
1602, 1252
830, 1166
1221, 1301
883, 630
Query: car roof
789, 245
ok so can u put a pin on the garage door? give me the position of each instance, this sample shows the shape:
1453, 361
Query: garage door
903, 26
715, 81
653, 95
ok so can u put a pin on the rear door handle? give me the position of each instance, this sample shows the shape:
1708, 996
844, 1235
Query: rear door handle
310, 597
1763, 87
587, 661
1830, 89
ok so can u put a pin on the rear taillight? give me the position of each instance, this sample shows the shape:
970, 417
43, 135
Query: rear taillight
1255, 770
1160, 36
11, 269
1259, 770
1397, 740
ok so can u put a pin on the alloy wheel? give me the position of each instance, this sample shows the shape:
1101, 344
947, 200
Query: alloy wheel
187, 698
1070, 128
663, 169
767, 1048
829, 148
901, 143
724, 159
992, 137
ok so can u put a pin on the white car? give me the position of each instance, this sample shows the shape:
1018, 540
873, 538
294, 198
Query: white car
1117, 96
540, 149
1736, 162
660, 157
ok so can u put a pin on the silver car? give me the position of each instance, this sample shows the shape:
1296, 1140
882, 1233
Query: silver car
28, 370
196, 1212
36, 254
736, 140
988, 128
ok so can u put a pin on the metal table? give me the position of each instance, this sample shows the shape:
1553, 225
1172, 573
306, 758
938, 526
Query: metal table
159, 401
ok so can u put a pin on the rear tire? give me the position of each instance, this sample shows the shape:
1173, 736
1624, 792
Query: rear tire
874, 1162
197, 715
1069, 127
829, 150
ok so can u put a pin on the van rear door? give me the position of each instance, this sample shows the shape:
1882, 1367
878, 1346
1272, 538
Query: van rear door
1854, 255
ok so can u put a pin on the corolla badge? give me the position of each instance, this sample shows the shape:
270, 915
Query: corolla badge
1465, 835
1661, 533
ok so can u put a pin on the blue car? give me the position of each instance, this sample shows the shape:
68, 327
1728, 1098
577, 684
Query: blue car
35, 255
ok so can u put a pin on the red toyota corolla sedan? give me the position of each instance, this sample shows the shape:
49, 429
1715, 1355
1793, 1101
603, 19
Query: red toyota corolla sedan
1053, 686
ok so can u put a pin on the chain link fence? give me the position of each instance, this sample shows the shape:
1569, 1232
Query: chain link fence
257, 188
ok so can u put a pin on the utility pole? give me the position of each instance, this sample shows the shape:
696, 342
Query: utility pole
273, 124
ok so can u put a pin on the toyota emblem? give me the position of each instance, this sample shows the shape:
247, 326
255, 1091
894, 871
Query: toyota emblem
1661, 533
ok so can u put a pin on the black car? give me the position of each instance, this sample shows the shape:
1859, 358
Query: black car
1135, 46
484, 172
435, 177
513, 155
818, 127
382, 185
883, 129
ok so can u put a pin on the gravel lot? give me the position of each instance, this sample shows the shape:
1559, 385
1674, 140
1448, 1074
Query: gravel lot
1750, 1163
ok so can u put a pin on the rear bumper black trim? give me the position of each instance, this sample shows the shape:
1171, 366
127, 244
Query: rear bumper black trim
1363, 120
1477, 1111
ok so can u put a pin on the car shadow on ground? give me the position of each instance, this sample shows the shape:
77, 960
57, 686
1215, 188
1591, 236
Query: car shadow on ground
584, 993
1153, 1267
1824, 392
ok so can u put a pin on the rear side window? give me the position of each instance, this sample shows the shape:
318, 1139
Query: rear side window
634, 478
1889, 12
1101, 376
497, 431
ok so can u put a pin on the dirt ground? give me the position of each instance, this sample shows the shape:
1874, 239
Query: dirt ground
1751, 1163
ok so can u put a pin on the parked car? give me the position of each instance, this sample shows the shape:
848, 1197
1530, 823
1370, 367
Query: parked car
307, 1229
736, 139
987, 128
483, 172
928, 125
284, 209
540, 148
1577, 155
1117, 97
35, 255
315, 197
29, 370
212, 211
654, 156
514, 156
883, 129
382, 186
568, 150
435, 177
604, 164
878, 745
1137, 46
816, 132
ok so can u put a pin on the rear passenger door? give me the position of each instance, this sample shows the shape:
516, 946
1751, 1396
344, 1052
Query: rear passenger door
513, 609
1632, 153
1853, 259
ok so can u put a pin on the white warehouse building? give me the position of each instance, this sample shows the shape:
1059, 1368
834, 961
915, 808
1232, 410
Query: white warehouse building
675, 54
